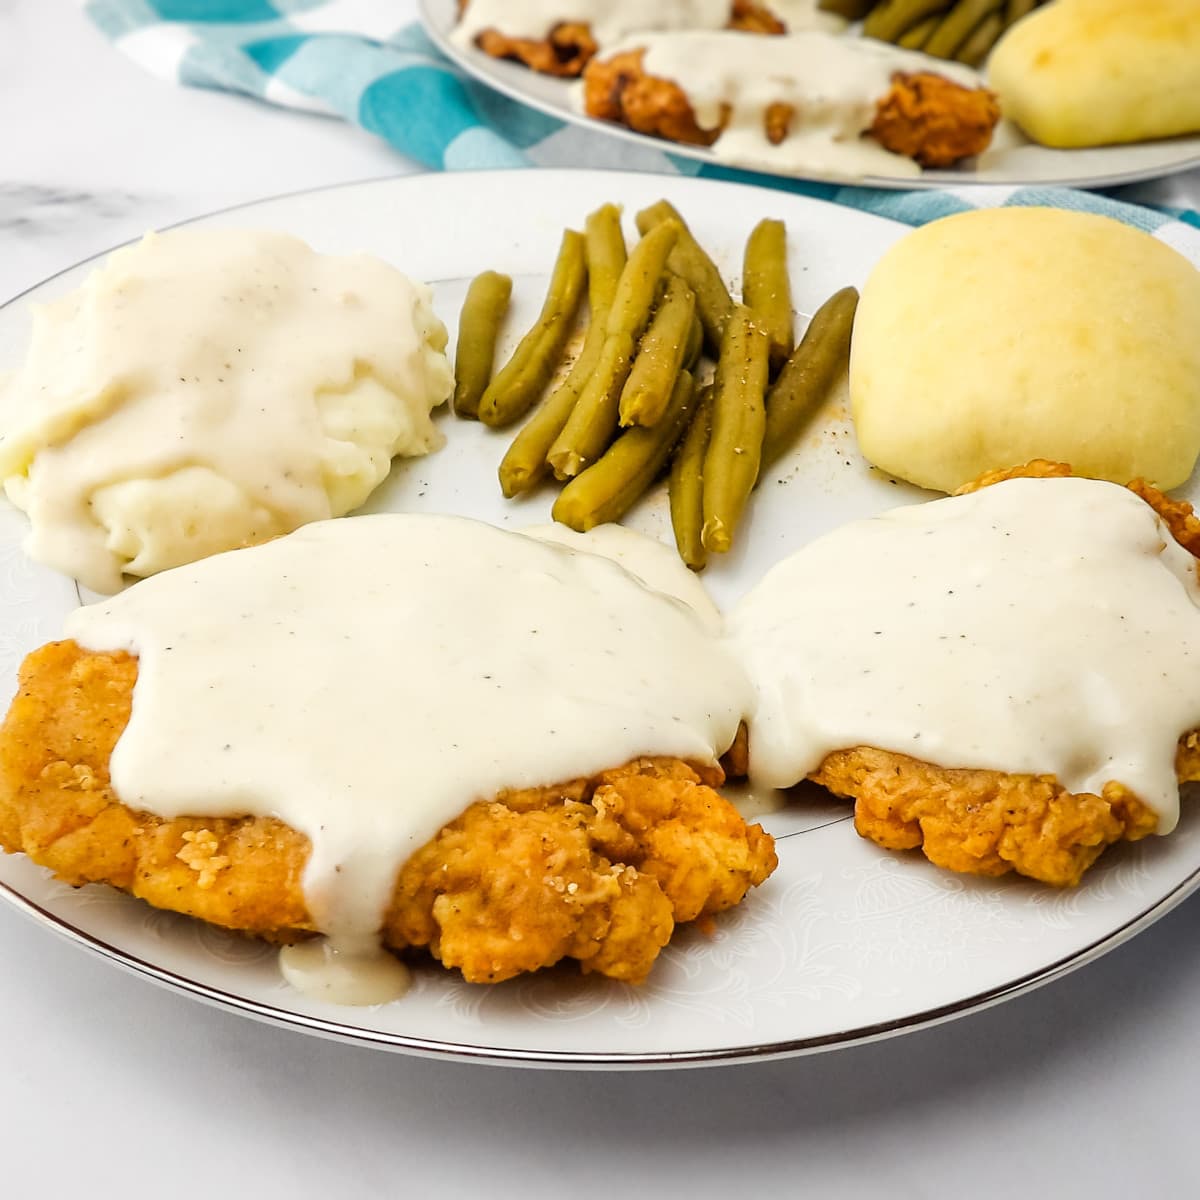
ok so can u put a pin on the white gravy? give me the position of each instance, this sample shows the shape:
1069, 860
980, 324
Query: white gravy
833, 83
205, 389
801, 15
611, 20
365, 680
1037, 626
653, 562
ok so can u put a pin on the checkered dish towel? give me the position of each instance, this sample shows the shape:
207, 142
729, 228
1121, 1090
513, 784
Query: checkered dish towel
368, 62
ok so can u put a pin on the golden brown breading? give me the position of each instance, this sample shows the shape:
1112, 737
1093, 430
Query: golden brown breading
989, 822
923, 116
597, 870
569, 46
748, 16
618, 89
1187, 758
564, 52
983, 822
933, 121
1036, 468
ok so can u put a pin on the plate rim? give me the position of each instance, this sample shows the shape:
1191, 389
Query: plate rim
469, 61
514, 1056
427, 173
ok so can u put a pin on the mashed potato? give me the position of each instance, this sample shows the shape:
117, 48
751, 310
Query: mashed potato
998, 336
209, 389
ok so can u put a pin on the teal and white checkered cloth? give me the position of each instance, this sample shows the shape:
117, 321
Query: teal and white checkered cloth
366, 61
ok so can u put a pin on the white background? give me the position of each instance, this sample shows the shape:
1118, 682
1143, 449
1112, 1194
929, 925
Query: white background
111, 1087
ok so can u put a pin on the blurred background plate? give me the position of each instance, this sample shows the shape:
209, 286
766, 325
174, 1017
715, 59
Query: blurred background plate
1012, 159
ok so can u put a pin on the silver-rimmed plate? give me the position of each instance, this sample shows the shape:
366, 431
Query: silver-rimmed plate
845, 943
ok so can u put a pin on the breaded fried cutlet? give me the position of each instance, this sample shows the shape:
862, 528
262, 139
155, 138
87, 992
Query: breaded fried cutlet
569, 46
599, 870
923, 116
983, 822
989, 822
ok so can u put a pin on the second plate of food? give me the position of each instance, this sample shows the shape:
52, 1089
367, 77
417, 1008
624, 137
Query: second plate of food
845, 941
1010, 157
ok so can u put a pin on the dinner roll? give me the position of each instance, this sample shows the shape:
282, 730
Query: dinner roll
1092, 72
993, 337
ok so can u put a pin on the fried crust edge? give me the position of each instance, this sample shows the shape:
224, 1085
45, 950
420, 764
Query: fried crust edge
600, 870
991, 823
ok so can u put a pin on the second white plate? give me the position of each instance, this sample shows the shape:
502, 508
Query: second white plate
1012, 159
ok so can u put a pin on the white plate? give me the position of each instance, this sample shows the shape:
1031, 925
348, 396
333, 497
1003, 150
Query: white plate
1012, 159
846, 942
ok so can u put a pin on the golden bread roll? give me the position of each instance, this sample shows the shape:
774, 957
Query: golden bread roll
1002, 335
1094, 72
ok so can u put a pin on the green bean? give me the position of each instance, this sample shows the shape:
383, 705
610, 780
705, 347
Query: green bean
592, 423
810, 373
689, 261
979, 45
594, 418
766, 288
918, 35
609, 488
638, 285
1014, 10
483, 311
524, 465
685, 488
957, 25
660, 357
894, 17
739, 418
695, 343
516, 388
606, 256
852, 10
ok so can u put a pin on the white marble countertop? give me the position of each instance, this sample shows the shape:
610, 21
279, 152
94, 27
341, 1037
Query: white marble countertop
111, 1087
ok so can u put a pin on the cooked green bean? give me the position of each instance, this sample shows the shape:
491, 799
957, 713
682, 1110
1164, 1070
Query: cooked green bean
524, 465
606, 256
918, 35
594, 418
637, 288
516, 388
766, 288
695, 343
979, 45
814, 367
1014, 10
738, 423
592, 423
685, 488
894, 17
689, 261
660, 357
852, 10
609, 488
483, 311
957, 26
